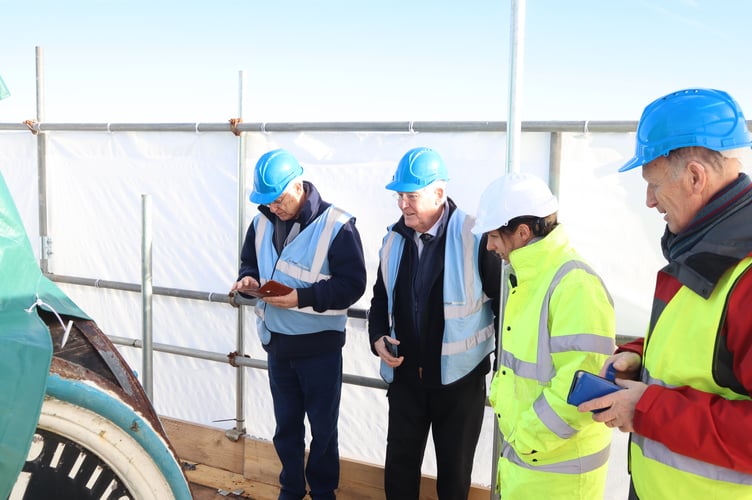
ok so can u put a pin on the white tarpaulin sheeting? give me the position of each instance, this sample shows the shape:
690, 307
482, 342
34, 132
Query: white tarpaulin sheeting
95, 186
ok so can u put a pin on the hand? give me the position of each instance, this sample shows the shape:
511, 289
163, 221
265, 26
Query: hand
384, 353
619, 406
627, 365
284, 301
245, 284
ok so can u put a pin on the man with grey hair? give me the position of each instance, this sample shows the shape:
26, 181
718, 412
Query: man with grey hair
688, 383
431, 322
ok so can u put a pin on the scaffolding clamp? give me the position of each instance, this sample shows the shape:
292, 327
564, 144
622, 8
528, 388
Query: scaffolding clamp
231, 358
234, 122
33, 126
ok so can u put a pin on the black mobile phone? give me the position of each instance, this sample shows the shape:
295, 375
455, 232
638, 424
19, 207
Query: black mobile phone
392, 348
586, 386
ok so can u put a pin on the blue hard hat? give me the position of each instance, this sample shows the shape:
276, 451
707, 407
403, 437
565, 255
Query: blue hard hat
693, 117
272, 174
418, 168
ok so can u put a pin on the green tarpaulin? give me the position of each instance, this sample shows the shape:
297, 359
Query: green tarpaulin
25, 344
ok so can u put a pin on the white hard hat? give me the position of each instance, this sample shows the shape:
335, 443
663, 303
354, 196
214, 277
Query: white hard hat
513, 195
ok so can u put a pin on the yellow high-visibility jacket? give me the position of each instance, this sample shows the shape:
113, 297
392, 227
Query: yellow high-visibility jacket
559, 318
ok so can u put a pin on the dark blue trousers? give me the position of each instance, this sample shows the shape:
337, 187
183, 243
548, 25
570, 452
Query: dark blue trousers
454, 416
309, 386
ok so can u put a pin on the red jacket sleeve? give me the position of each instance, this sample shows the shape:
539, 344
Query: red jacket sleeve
701, 425
636, 346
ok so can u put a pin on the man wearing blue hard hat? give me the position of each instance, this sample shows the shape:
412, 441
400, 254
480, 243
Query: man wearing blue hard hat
432, 324
688, 383
312, 247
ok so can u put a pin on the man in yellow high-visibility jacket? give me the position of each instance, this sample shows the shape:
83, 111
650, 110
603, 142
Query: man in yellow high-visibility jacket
689, 404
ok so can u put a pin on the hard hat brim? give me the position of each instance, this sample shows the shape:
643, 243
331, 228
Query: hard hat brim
633, 163
265, 198
480, 228
404, 187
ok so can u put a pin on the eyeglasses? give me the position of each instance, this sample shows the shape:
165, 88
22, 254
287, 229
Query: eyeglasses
408, 197
278, 201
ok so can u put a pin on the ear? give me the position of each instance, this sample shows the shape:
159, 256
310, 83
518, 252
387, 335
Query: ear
526, 234
439, 192
697, 177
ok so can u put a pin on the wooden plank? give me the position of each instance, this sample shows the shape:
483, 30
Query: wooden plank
360, 480
253, 465
202, 444
261, 462
229, 481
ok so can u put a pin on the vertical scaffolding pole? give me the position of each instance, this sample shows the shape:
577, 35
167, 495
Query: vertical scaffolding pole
239, 428
514, 133
45, 240
147, 360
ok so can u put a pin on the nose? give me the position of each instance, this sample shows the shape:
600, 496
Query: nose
650, 200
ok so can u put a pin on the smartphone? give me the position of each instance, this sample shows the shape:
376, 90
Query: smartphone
271, 289
392, 348
587, 386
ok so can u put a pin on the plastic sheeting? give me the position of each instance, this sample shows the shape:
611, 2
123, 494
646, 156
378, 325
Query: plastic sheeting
25, 344
95, 183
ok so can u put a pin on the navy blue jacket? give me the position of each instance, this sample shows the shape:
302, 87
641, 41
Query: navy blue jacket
343, 289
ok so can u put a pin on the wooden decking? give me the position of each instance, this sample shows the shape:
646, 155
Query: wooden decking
251, 467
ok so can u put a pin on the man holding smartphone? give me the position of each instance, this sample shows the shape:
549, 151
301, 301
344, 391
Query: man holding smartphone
688, 383
431, 322
313, 248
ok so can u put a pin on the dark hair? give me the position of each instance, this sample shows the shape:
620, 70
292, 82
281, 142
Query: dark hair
540, 226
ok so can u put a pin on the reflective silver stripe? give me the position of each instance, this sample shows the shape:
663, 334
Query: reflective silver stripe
306, 310
551, 419
301, 274
386, 251
326, 235
519, 367
468, 245
575, 466
588, 342
453, 310
658, 452
328, 312
546, 369
260, 229
468, 343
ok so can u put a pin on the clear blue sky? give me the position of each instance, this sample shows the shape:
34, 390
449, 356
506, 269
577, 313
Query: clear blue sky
355, 60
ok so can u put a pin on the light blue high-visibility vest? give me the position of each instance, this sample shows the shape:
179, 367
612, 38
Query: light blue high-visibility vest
302, 263
468, 319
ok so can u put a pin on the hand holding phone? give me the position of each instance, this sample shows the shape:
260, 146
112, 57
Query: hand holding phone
587, 386
391, 348
270, 289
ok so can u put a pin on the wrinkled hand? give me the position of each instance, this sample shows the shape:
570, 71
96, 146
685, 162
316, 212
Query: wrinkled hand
620, 405
245, 284
284, 301
384, 354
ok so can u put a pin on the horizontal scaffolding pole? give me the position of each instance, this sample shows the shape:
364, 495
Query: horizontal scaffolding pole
222, 297
206, 296
399, 126
236, 360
